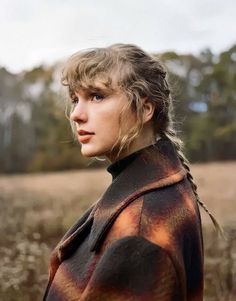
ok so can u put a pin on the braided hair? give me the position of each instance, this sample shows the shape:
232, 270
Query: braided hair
171, 135
140, 76
146, 77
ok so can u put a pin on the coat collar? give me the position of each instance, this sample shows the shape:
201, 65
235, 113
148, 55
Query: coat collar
152, 167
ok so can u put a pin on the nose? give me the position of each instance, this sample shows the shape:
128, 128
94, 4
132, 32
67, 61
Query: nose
79, 114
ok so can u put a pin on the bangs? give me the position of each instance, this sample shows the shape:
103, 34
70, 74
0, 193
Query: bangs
86, 68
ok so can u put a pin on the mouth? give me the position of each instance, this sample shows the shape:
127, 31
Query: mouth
84, 136
83, 132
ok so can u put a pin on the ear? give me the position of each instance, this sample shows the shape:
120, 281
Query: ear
148, 110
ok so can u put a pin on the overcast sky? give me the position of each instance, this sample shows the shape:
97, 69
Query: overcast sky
44, 31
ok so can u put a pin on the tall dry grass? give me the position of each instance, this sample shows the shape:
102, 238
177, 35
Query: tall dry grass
35, 211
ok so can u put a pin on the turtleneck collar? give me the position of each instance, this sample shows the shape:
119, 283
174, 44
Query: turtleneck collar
118, 166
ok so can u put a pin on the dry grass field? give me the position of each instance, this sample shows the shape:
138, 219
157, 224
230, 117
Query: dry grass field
36, 209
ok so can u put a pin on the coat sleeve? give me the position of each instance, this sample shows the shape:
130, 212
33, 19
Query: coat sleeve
133, 268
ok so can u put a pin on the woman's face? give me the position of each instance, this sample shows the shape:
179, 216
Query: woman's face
97, 112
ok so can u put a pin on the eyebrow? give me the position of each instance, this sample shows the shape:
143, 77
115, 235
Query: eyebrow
99, 89
93, 88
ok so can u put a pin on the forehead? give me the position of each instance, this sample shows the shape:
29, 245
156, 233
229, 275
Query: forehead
97, 85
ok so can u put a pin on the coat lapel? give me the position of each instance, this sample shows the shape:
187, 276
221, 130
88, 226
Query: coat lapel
68, 243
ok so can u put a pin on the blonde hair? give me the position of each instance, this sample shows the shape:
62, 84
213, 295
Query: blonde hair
140, 76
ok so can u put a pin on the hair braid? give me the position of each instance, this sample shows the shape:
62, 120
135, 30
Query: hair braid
177, 142
141, 76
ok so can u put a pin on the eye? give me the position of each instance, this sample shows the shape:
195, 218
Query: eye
74, 100
97, 97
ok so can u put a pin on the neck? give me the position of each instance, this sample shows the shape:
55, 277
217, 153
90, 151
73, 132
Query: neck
145, 139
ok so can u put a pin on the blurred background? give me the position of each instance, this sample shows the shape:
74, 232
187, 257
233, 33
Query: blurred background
45, 183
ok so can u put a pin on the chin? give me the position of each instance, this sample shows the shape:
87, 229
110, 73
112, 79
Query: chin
89, 151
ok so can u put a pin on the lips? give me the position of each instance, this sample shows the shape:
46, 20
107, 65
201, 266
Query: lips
83, 132
84, 135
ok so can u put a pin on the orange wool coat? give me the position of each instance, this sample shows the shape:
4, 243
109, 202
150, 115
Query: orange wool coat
142, 240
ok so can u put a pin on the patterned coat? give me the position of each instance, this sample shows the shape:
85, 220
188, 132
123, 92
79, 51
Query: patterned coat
142, 240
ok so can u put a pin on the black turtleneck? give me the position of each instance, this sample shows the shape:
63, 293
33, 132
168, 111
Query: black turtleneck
118, 166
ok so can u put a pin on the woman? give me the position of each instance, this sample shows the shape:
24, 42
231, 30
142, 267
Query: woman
142, 240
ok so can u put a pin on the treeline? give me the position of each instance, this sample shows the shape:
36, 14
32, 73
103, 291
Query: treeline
35, 134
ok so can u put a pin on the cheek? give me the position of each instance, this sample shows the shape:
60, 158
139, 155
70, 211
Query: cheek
110, 130
107, 122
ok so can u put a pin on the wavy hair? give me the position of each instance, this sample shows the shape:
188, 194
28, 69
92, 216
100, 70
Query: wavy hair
140, 76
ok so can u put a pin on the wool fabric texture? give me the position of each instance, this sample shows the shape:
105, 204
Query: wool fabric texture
142, 240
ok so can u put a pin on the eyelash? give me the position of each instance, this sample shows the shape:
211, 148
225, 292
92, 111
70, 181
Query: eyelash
75, 99
93, 95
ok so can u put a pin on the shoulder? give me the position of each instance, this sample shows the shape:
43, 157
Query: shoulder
165, 216
170, 216
174, 204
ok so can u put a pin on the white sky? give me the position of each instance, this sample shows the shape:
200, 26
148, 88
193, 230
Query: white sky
44, 31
